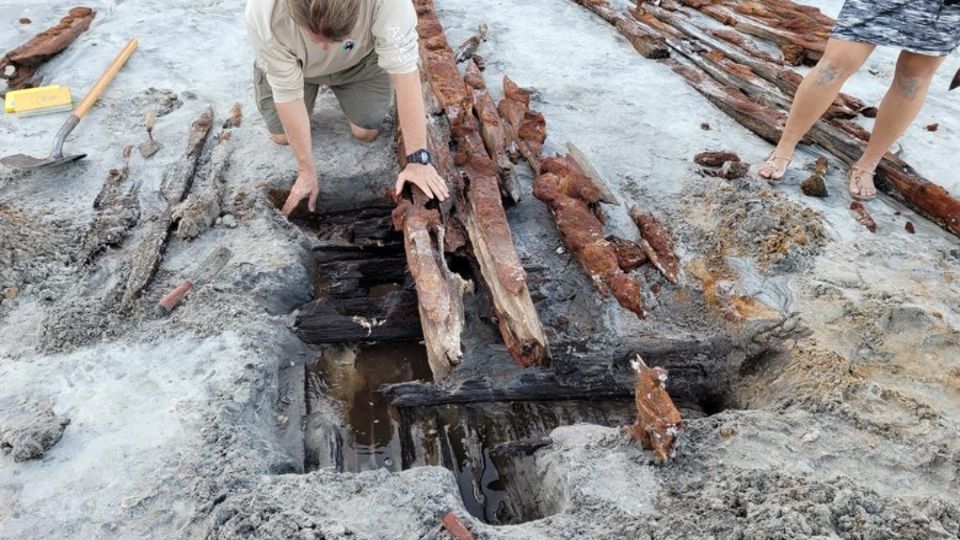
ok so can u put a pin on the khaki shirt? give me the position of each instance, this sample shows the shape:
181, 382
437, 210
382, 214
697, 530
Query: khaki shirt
287, 54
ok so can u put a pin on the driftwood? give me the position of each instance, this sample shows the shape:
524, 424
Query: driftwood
588, 169
235, 118
657, 243
479, 205
27, 58
176, 183
658, 421
116, 210
495, 136
744, 86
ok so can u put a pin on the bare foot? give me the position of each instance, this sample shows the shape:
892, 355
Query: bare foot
280, 139
774, 168
861, 183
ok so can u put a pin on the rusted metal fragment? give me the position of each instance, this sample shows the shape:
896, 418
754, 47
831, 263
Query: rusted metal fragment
527, 129
495, 136
630, 255
176, 184
816, 184
715, 159
26, 58
582, 233
645, 42
663, 255
863, 216
439, 291
479, 205
469, 47
658, 421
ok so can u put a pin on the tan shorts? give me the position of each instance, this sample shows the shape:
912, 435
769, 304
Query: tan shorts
364, 92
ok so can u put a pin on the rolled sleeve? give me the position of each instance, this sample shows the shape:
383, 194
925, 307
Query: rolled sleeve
284, 74
395, 35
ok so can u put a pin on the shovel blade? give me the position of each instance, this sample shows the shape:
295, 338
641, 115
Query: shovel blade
25, 162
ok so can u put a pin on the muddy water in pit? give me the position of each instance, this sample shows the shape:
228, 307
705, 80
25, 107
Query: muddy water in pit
489, 446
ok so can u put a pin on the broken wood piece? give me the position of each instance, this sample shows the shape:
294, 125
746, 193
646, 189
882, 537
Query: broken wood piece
469, 47
439, 290
204, 205
496, 138
816, 184
662, 254
479, 207
658, 421
27, 58
714, 159
863, 216
116, 210
176, 182
588, 169
730, 170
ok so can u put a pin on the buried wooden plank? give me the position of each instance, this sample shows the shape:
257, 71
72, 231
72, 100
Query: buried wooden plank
392, 317
176, 184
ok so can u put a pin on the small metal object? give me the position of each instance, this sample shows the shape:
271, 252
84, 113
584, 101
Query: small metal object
150, 147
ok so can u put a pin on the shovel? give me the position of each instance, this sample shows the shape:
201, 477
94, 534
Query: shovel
21, 161
150, 147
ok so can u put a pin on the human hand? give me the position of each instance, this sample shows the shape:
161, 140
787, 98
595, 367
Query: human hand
424, 177
307, 187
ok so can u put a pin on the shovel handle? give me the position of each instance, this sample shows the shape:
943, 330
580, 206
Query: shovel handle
88, 100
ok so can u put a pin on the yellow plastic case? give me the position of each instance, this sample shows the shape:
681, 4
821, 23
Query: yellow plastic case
44, 99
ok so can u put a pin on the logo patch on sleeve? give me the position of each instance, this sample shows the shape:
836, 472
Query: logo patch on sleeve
348, 45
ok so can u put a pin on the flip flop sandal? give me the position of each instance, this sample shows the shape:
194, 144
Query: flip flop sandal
857, 180
771, 162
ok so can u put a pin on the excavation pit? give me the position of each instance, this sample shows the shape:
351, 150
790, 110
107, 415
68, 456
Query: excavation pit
353, 427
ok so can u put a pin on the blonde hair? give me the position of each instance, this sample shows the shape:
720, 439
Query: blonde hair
332, 19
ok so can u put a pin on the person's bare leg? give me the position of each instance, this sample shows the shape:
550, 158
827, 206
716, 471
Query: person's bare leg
898, 110
280, 138
363, 134
816, 93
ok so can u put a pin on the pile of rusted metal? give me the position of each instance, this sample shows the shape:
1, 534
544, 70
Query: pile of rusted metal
710, 43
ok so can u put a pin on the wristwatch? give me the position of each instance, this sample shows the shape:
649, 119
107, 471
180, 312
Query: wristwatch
421, 156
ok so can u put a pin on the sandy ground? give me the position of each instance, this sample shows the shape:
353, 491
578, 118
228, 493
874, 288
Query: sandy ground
188, 426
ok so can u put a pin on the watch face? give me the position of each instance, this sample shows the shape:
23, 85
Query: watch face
423, 157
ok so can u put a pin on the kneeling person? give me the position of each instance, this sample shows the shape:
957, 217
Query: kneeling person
362, 50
